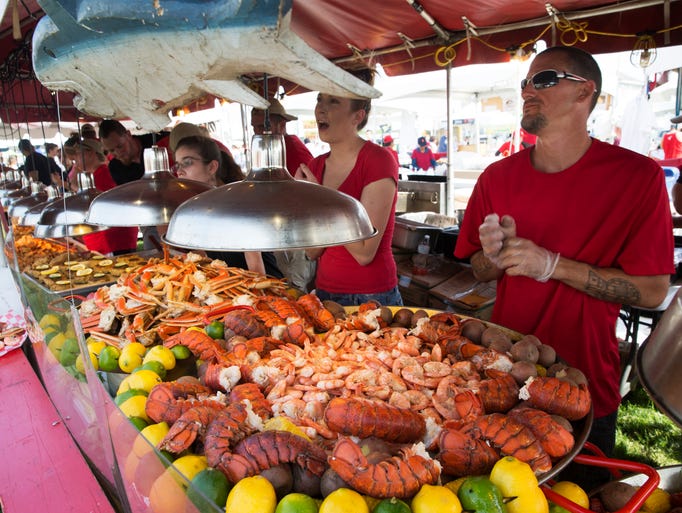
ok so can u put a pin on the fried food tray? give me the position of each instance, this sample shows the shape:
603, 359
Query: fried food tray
89, 282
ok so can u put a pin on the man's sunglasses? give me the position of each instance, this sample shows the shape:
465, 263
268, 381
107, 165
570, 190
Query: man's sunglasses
549, 78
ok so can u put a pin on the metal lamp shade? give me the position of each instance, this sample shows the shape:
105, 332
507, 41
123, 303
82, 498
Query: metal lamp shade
38, 195
65, 217
14, 191
149, 201
268, 211
659, 359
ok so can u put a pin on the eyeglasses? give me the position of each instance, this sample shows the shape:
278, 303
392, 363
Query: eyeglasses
187, 162
549, 78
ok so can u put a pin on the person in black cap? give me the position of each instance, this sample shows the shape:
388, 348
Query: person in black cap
422, 156
36, 166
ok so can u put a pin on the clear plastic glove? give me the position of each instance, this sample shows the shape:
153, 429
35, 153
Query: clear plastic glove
521, 257
492, 234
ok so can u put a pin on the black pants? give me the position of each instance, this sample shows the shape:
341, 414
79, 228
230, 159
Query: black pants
603, 435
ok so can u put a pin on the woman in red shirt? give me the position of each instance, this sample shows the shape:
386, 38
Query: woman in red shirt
88, 157
364, 270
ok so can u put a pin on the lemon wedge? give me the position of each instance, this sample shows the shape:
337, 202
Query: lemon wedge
84, 272
280, 423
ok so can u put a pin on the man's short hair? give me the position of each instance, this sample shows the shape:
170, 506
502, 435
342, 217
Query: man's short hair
25, 145
582, 63
111, 126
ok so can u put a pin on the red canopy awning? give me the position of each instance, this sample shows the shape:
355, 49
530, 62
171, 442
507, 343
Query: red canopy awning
404, 36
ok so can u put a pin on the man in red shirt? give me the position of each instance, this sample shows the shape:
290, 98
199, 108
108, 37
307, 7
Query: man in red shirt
671, 143
296, 267
422, 156
566, 247
296, 152
387, 143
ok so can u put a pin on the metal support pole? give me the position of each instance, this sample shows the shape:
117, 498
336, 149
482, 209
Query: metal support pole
450, 185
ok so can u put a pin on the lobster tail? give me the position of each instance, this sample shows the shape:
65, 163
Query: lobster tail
513, 439
464, 454
398, 476
555, 439
272, 448
557, 397
191, 425
364, 418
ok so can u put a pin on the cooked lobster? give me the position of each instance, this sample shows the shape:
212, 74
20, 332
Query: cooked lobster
552, 435
264, 450
465, 454
364, 418
557, 397
169, 400
398, 476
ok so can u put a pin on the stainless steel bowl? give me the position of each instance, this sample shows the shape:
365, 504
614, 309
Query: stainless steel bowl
659, 360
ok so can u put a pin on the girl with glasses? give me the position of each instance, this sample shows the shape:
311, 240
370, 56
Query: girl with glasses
199, 158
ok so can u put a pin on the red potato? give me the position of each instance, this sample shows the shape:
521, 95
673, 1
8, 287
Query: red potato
522, 370
552, 370
473, 330
531, 338
386, 315
403, 317
416, 316
573, 375
525, 350
497, 337
281, 478
547, 355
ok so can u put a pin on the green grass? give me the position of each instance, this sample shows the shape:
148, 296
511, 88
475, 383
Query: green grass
646, 435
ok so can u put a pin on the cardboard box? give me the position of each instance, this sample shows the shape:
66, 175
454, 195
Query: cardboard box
413, 294
483, 313
464, 292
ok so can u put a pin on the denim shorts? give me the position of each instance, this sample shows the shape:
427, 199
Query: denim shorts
389, 298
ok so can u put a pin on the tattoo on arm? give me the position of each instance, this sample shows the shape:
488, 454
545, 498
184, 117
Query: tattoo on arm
617, 290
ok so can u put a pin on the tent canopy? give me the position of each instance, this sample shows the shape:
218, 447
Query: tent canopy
404, 36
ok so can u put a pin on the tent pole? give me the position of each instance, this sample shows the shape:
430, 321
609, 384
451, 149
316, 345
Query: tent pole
450, 185
678, 94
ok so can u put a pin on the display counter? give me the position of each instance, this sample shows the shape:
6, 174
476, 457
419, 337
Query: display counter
71, 439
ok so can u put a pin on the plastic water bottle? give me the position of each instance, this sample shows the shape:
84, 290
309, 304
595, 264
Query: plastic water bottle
424, 245
422, 257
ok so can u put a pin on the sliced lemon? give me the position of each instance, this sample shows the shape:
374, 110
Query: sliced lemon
280, 423
121, 264
98, 275
51, 270
42, 267
84, 272
63, 282
97, 257
106, 263
77, 267
55, 276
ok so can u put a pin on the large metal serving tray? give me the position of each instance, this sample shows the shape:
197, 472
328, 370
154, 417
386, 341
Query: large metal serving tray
84, 290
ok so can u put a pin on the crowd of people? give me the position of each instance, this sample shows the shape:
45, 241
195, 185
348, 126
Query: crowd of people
566, 247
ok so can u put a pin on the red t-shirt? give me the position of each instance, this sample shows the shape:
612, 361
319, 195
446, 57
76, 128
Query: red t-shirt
671, 144
610, 209
337, 270
424, 159
111, 239
297, 153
